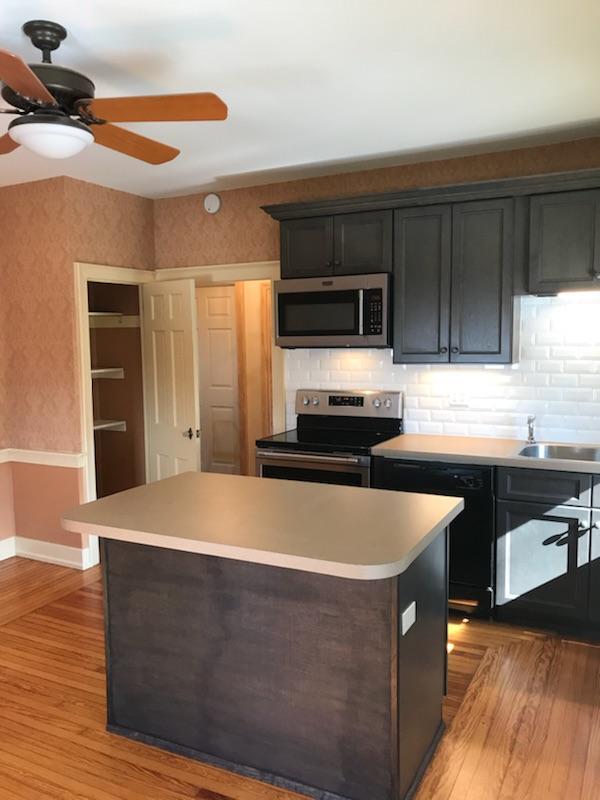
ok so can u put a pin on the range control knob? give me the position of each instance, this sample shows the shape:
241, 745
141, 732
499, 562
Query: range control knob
305, 401
315, 401
387, 402
377, 402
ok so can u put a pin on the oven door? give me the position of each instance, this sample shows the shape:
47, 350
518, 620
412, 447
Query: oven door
343, 470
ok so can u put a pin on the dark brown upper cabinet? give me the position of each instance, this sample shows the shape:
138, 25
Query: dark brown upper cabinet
422, 264
564, 242
362, 243
345, 244
481, 315
307, 247
453, 268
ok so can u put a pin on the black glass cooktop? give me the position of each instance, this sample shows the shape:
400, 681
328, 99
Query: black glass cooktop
331, 439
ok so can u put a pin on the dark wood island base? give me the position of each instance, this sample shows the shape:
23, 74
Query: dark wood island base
299, 679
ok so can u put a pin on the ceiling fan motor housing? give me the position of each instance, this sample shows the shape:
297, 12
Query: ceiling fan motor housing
67, 86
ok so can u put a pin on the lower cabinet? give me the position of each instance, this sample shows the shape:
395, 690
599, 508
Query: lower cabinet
542, 563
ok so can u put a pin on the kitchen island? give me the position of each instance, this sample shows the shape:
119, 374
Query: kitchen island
291, 632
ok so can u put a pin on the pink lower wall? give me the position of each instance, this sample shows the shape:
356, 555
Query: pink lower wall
7, 511
41, 494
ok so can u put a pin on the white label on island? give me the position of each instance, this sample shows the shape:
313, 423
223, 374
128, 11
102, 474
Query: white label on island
409, 617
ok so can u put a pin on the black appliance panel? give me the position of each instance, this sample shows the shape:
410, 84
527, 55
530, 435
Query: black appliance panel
335, 313
471, 533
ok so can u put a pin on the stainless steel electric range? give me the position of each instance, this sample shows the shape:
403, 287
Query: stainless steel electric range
333, 438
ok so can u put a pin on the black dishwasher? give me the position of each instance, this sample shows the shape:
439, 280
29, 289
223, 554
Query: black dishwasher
471, 539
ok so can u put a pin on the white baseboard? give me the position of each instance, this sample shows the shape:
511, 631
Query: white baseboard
60, 554
8, 548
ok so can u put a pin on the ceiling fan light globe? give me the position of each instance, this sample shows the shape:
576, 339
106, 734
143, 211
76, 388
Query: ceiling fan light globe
52, 140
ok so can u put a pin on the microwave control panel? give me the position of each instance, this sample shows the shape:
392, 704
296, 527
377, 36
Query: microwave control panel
373, 312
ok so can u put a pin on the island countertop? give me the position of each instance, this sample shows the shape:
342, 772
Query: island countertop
349, 532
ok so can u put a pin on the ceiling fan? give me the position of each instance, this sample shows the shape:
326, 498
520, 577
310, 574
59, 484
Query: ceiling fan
58, 115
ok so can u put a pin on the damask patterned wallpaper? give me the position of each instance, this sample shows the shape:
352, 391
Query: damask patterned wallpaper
187, 236
44, 227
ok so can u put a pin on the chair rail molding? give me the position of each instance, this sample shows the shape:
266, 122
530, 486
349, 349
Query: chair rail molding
46, 458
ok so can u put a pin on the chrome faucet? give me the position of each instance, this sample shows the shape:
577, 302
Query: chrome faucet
531, 429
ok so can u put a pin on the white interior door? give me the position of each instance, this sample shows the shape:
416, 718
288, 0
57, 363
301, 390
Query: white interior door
170, 378
219, 402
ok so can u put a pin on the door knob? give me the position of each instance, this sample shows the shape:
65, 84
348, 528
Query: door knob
189, 434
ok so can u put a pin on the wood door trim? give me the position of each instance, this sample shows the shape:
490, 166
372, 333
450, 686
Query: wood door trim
266, 348
240, 334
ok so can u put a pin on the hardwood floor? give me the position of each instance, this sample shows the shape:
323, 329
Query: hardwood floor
523, 707
26, 585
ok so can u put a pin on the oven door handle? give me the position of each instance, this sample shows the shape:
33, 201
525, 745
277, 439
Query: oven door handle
309, 457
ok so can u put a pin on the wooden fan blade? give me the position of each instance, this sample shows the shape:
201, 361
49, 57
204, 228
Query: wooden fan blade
132, 144
160, 108
15, 73
7, 145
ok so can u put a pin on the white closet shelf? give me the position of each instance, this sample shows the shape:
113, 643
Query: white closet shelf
110, 425
106, 319
115, 373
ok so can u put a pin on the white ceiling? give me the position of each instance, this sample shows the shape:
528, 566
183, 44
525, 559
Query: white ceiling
319, 86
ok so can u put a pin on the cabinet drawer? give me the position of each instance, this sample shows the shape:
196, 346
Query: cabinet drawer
544, 486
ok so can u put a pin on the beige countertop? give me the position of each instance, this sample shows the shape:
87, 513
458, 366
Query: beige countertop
345, 531
475, 450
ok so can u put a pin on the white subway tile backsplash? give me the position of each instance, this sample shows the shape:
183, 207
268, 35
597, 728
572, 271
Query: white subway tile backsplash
557, 379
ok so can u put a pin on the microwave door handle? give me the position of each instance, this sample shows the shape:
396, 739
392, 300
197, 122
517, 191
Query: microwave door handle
361, 295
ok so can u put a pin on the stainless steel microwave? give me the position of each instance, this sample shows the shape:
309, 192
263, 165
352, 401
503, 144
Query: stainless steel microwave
349, 311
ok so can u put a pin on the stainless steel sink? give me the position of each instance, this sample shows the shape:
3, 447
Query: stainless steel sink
569, 452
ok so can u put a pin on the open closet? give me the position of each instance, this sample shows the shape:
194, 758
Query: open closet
117, 386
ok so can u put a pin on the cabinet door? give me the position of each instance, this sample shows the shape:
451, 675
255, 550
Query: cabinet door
564, 245
596, 491
307, 247
363, 243
594, 607
422, 254
482, 262
542, 556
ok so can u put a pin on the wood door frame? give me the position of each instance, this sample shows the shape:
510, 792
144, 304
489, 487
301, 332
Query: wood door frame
219, 274
83, 274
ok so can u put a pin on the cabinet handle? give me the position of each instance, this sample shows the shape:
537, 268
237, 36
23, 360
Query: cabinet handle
443, 349
455, 350
596, 276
